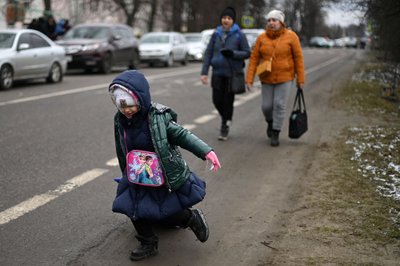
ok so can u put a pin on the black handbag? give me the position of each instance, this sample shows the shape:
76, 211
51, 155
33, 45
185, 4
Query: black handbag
298, 122
237, 84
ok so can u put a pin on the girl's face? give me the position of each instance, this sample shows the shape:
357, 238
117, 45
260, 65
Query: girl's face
226, 22
273, 24
129, 111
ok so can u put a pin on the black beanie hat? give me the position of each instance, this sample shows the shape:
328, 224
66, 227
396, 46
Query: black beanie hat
229, 11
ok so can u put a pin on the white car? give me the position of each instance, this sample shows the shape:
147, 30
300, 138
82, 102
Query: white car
29, 54
163, 47
196, 45
206, 35
252, 35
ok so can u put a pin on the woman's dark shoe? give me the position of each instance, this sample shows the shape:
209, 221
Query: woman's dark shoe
224, 132
199, 225
148, 247
275, 138
223, 135
269, 129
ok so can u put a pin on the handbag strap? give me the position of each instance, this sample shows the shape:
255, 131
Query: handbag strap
299, 101
273, 52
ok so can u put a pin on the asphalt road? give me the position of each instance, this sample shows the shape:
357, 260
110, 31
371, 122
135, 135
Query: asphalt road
57, 164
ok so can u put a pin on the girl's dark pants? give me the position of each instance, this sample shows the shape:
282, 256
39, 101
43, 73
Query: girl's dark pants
144, 227
222, 98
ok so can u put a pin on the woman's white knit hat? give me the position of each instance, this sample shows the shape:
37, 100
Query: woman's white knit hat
276, 14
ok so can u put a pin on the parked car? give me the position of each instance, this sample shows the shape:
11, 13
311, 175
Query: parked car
351, 42
101, 46
339, 42
29, 54
252, 35
196, 45
319, 42
206, 35
163, 47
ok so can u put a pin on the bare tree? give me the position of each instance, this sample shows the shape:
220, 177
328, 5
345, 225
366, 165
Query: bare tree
47, 7
385, 18
257, 9
153, 12
130, 9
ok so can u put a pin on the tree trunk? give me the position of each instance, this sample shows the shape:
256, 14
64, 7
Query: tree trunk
153, 12
47, 7
177, 8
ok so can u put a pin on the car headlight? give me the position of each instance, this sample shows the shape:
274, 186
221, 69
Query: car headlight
94, 46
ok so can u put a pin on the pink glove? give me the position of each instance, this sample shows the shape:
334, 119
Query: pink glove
212, 157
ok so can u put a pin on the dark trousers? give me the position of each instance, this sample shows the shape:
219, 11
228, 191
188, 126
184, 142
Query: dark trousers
222, 98
144, 227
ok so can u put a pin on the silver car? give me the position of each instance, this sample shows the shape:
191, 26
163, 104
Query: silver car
252, 35
196, 45
164, 47
29, 54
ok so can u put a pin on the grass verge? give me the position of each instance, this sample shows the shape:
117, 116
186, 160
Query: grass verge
364, 175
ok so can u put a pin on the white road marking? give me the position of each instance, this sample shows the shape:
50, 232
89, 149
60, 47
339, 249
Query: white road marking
54, 94
94, 87
189, 126
40, 200
112, 162
247, 97
324, 64
204, 119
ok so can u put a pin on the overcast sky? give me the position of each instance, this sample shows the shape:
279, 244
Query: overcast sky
336, 15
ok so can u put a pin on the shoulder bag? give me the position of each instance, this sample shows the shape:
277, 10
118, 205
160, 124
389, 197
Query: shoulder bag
236, 83
266, 66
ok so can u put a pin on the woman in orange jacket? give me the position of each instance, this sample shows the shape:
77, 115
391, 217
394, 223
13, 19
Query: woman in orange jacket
277, 59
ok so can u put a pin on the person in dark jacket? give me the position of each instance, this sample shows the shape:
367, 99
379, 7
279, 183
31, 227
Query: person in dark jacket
225, 52
141, 125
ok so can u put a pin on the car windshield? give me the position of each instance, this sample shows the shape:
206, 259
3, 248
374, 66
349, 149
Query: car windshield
155, 39
87, 33
193, 38
6, 40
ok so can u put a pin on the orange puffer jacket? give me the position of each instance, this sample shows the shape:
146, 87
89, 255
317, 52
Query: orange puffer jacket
287, 61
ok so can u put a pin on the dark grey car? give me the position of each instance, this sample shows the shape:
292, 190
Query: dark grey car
101, 46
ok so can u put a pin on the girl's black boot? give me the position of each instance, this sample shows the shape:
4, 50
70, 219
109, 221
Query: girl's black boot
275, 138
148, 247
269, 128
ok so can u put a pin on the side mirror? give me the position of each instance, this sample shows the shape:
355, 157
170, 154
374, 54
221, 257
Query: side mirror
23, 46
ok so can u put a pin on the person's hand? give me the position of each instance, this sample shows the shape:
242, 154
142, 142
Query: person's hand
249, 86
212, 157
227, 52
204, 79
300, 86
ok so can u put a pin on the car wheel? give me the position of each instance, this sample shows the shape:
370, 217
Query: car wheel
88, 70
185, 60
55, 74
170, 61
134, 63
6, 77
106, 64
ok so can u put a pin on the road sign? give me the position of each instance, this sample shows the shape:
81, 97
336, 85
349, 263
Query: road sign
247, 22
